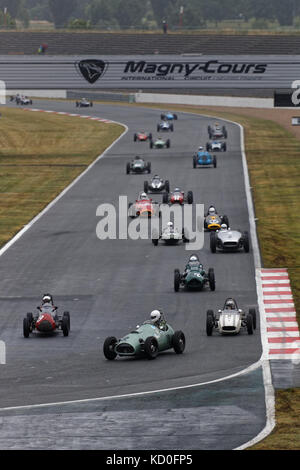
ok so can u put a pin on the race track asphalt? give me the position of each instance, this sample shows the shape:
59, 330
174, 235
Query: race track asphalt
110, 286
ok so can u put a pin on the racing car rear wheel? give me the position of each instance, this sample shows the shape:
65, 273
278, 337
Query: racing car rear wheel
194, 161
209, 323
149, 167
151, 347
65, 324
211, 279
249, 324
109, 348
225, 220
252, 312
26, 327
178, 342
168, 143
215, 161
165, 198
167, 186
246, 242
128, 168
213, 242
146, 186
190, 197
134, 137
176, 280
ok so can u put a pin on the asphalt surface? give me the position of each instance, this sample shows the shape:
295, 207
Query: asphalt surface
111, 286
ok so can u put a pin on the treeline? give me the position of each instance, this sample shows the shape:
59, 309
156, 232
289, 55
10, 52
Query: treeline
149, 14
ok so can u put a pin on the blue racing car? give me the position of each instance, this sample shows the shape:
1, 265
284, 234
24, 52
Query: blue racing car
168, 116
202, 158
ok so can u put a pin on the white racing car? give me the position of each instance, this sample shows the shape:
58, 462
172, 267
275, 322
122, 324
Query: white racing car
226, 239
170, 235
231, 319
216, 146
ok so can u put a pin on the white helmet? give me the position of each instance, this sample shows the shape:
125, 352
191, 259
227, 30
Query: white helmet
211, 210
143, 195
155, 316
200, 148
224, 227
170, 224
47, 298
194, 258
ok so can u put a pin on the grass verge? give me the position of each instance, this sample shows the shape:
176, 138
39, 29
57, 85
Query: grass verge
40, 154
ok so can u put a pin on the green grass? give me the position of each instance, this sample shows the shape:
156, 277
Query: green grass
40, 154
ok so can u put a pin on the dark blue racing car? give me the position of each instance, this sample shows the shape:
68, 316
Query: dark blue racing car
202, 158
168, 116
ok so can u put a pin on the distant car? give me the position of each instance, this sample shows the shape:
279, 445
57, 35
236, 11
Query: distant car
217, 132
230, 319
226, 239
216, 146
160, 143
84, 103
194, 277
202, 158
138, 166
165, 126
46, 321
146, 340
169, 116
170, 235
24, 100
213, 221
142, 136
178, 197
156, 185
144, 207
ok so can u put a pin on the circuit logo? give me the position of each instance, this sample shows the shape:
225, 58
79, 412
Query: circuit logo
91, 69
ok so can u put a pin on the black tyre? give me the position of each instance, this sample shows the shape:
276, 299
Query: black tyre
252, 312
158, 127
128, 168
176, 280
26, 327
225, 220
249, 324
150, 136
151, 144
162, 117
167, 186
165, 198
224, 147
190, 197
151, 347
211, 279
209, 325
213, 242
168, 143
146, 186
175, 117
30, 318
209, 129
246, 242
134, 137
194, 161
67, 315
178, 342
65, 325
215, 161
155, 241
149, 167
109, 348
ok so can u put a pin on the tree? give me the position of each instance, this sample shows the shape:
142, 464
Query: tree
61, 11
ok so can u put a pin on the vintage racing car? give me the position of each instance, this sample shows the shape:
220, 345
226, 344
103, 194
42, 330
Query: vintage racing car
226, 239
178, 197
138, 165
213, 221
194, 276
169, 116
216, 146
165, 126
84, 103
143, 206
160, 143
142, 136
202, 158
217, 132
156, 185
230, 319
46, 320
23, 100
146, 340
170, 235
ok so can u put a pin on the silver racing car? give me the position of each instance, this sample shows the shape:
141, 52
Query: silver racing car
170, 235
226, 239
230, 319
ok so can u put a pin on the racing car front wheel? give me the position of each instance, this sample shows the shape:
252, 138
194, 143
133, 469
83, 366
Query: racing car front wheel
26, 327
249, 324
178, 342
109, 348
176, 280
211, 279
209, 323
151, 347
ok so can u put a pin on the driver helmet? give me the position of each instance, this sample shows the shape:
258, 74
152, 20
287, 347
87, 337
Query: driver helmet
200, 148
170, 224
211, 210
155, 316
223, 227
47, 298
176, 190
143, 196
230, 304
194, 258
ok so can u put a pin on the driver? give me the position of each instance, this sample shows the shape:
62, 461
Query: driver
211, 211
47, 299
200, 148
230, 304
193, 262
223, 227
157, 319
143, 196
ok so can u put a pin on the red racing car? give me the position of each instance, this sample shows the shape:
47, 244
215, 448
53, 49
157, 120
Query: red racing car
178, 197
143, 206
47, 320
142, 136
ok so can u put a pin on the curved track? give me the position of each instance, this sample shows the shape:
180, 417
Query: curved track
110, 286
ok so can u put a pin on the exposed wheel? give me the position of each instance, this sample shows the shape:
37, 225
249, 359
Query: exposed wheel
151, 347
194, 161
175, 117
158, 127
252, 312
151, 144
249, 324
215, 161
168, 143
190, 197
165, 198
246, 242
178, 342
211, 279
225, 220
146, 186
109, 348
176, 280
209, 325
67, 315
128, 168
134, 137
150, 136
65, 325
224, 147
167, 186
26, 327
149, 167
213, 242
